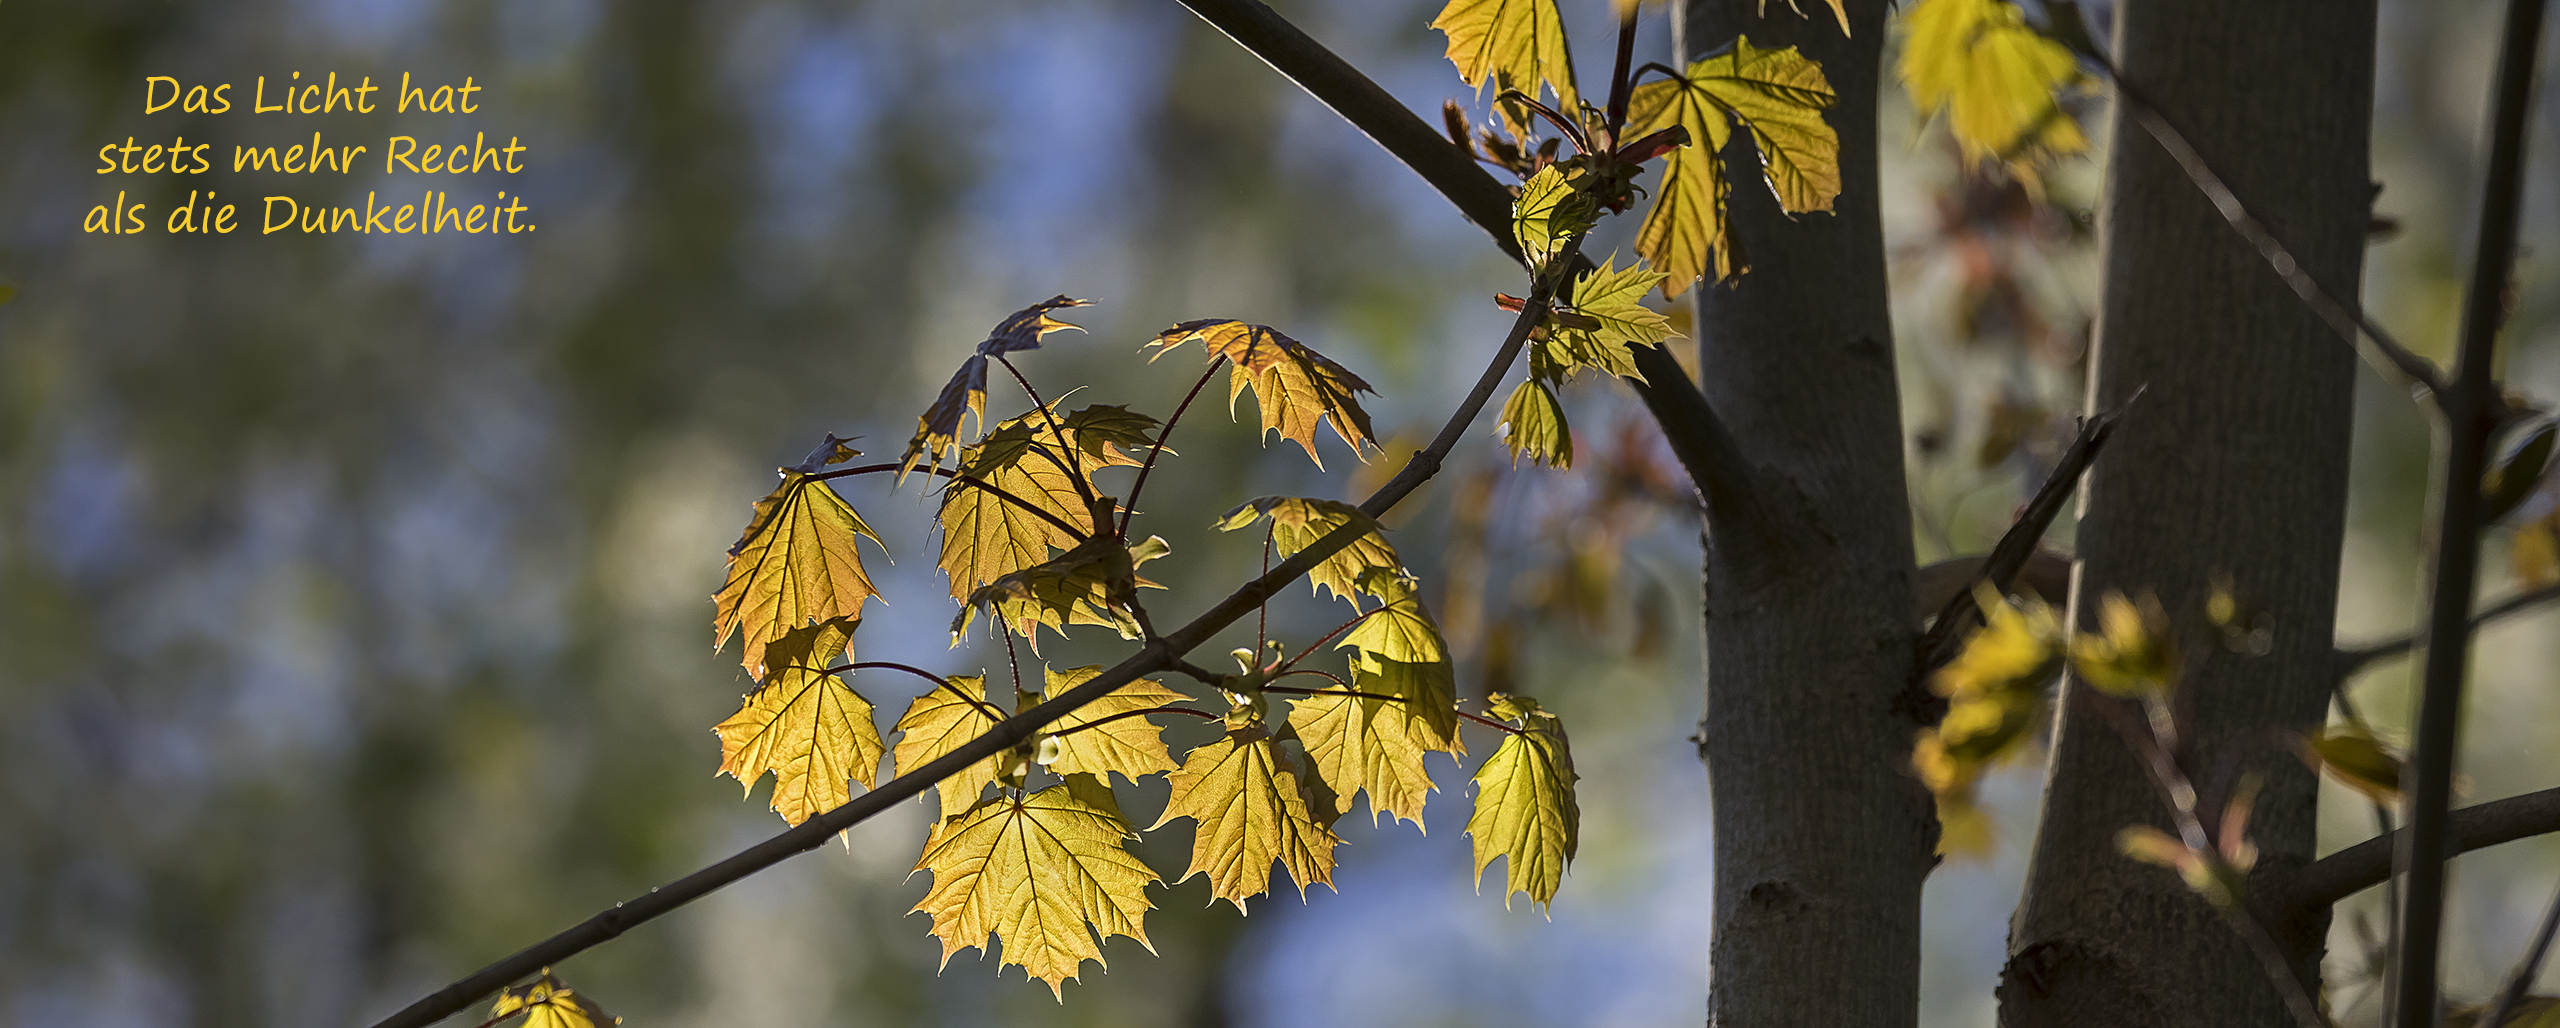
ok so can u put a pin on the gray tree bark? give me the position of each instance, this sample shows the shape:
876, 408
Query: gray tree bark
1822, 835
2234, 462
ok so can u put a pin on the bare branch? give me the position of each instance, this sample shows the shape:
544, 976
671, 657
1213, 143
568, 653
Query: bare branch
2366, 864
2354, 660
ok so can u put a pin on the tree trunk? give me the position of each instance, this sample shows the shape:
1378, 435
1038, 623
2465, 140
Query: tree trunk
1822, 835
2278, 95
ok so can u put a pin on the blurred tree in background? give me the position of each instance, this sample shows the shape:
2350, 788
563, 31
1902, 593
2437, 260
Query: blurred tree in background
352, 590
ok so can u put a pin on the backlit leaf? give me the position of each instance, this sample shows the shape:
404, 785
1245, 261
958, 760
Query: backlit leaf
1044, 873
939, 428
1778, 96
2535, 554
1107, 736
1612, 319
1297, 522
2133, 656
1363, 743
1092, 584
2356, 759
1510, 44
1998, 79
985, 536
796, 563
941, 721
804, 725
2509, 484
1549, 213
1398, 628
1533, 426
1251, 810
546, 1002
1525, 811
1294, 386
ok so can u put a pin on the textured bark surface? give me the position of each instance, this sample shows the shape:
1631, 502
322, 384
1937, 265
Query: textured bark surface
2234, 462
1822, 835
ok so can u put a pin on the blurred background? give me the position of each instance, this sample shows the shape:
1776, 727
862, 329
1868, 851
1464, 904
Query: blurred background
354, 591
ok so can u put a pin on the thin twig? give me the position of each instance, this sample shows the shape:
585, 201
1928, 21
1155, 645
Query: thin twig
1099, 722
2526, 970
2350, 661
1157, 450
2347, 319
1156, 654
2471, 409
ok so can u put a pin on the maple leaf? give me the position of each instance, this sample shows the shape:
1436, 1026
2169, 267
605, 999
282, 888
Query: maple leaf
1251, 809
546, 1002
1549, 213
1044, 873
1778, 96
966, 394
1107, 735
1613, 318
1398, 628
2351, 754
1295, 386
1093, 584
1533, 426
985, 536
1998, 79
1297, 522
804, 725
1366, 743
1524, 804
1511, 44
939, 722
795, 563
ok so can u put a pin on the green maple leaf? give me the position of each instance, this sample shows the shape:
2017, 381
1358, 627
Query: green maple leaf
1295, 386
796, 563
804, 725
1776, 95
1550, 212
1525, 810
1398, 629
1106, 735
941, 721
1251, 810
1044, 873
546, 1002
986, 537
1511, 44
966, 394
1533, 426
1999, 80
1612, 317
1298, 521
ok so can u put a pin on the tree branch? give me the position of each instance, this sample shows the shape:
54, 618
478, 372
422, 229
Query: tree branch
1158, 654
2366, 864
2471, 410
2354, 660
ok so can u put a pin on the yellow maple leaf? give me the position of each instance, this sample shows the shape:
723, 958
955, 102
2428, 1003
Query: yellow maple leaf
1398, 628
985, 536
1533, 426
2352, 755
1108, 736
546, 1002
1093, 584
1998, 79
1511, 44
1044, 873
1778, 96
2133, 654
1549, 212
796, 563
804, 725
1525, 810
1298, 521
1295, 386
1365, 743
941, 721
1251, 809
1606, 317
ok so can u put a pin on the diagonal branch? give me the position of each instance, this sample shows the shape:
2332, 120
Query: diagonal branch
2354, 660
1158, 654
